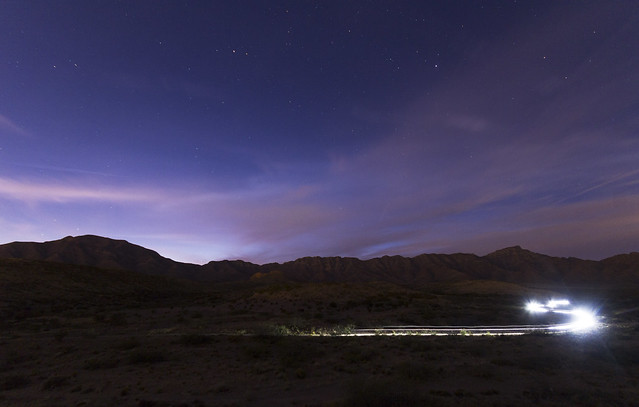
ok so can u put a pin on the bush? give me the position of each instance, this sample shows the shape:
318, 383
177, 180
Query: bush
127, 344
257, 351
55, 382
358, 355
387, 394
14, 382
146, 357
285, 330
118, 319
100, 363
502, 362
299, 353
194, 339
416, 371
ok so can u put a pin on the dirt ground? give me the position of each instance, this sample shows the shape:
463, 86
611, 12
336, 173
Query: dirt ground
239, 347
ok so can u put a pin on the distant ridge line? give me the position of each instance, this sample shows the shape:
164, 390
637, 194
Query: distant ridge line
511, 264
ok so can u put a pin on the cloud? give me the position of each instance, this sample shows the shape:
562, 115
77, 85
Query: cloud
9, 126
280, 222
34, 192
623, 180
236, 222
591, 230
470, 164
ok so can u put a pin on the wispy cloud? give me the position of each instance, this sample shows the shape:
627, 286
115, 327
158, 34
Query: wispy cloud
35, 192
592, 229
626, 179
7, 125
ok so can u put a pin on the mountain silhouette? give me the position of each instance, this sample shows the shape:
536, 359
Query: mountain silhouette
512, 264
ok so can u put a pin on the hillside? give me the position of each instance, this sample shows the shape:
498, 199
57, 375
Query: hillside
34, 287
105, 253
513, 264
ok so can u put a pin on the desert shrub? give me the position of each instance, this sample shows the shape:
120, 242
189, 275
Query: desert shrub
387, 394
539, 332
300, 373
442, 393
257, 351
489, 392
539, 394
118, 319
100, 363
299, 353
194, 339
416, 371
152, 403
15, 359
293, 328
281, 330
14, 382
55, 382
143, 356
127, 344
463, 393
421, 345
60, 335
222, 388
502, 362
481, 371
359, 355
263, 336
341, 330
408, 319
540, 363
51, 323
476, 349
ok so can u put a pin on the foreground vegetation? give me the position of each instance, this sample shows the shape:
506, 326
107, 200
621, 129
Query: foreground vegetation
145, 342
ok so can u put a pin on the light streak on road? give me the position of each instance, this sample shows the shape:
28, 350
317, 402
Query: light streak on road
581, 321
464, 330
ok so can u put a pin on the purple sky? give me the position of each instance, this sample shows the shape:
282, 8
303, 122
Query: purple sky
272, 130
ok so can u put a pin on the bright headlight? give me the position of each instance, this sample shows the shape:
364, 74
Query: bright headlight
583, 320
556, 303
535, 307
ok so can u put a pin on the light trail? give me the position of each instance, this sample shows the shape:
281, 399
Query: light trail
462, 330
581, 321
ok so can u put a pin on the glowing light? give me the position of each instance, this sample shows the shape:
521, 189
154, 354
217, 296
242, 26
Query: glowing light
556, 303
535, 307
581, 319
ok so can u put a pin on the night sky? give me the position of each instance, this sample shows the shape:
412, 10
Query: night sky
272, 130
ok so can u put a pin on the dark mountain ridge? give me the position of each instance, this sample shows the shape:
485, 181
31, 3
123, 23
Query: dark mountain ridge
512, 264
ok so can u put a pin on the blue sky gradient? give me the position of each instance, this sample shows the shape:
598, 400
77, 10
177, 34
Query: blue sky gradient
271, 130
